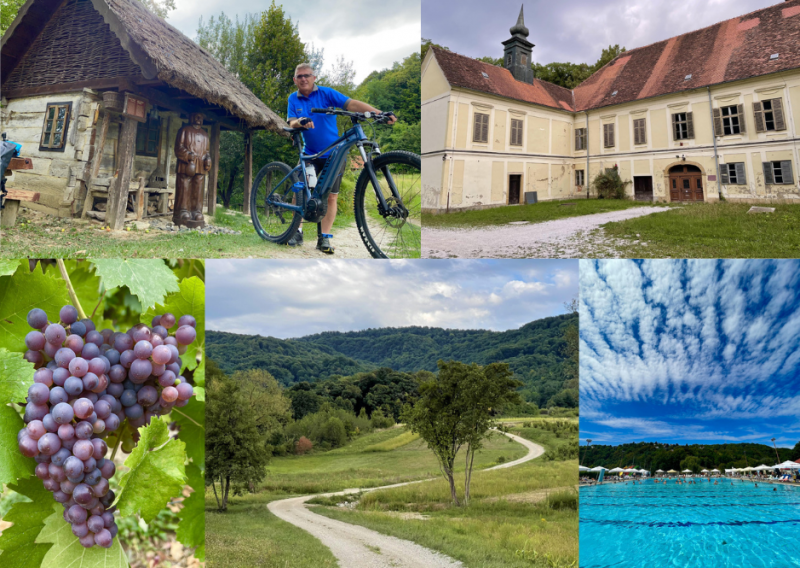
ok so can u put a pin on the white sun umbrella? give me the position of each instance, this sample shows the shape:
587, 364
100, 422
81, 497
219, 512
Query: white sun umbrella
616, 470
687, 471
788, 465
761, 467
704, 471
715, 471
599, 468
583, 468
748, 468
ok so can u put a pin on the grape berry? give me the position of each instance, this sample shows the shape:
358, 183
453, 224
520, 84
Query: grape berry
85, 385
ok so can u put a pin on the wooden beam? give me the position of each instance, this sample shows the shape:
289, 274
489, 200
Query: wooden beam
172, 103
163, 202
95, 164
115, 83
214, 173
8, 215
118, 198
140, 199
248, 170
22, 195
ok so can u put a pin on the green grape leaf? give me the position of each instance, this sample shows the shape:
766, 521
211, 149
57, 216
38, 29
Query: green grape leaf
192, 422
22, 292
8, 267
156, 472
67, 552
16, 377
199, 377
86, 285
189, 300
13, 465
150, 280
18, 548
192, 525
200, 393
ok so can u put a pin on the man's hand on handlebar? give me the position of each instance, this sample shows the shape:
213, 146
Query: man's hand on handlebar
302, 122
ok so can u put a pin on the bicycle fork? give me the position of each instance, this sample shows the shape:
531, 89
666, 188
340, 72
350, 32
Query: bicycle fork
400, 210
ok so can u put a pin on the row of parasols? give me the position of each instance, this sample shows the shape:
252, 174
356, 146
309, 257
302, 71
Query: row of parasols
634, 471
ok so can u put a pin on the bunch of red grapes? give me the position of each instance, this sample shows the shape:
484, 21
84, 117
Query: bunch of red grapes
86, 384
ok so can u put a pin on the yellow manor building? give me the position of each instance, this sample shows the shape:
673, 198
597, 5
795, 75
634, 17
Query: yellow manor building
661, 114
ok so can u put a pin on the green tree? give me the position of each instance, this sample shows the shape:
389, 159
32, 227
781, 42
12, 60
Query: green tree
235, 449
795, 452
692, 463
455, 410
8, 11
159, 7
426, 45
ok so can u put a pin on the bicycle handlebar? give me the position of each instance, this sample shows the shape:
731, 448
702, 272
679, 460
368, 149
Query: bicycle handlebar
377, 117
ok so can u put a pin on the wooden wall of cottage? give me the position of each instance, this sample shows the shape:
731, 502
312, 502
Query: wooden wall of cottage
59, 175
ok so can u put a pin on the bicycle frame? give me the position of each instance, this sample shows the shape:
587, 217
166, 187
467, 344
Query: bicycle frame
352, 137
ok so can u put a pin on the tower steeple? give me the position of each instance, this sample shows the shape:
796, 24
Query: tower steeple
517, 51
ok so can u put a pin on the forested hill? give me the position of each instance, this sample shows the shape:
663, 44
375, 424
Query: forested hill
537, 353
289, 361
654, 456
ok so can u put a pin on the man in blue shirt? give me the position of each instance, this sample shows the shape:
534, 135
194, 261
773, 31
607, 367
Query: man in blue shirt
321, 133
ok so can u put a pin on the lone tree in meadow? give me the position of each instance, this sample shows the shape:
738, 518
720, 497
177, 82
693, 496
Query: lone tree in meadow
455, 410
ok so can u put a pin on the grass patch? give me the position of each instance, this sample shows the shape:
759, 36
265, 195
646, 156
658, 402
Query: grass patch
490, 533
711, 230
536, 213
53, 237
249, 535
393, 443
356, 466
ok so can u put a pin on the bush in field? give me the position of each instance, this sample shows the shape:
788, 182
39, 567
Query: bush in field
609, 185
333, 432
326, 433
379, 420
303, 445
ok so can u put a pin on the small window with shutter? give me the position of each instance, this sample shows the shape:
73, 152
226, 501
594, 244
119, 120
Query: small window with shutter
640, 131
516, 132
579, 179
480, 129
733, 174
56, 125
580, 139
729, 120
769, 115
682, 126
778, 173
608, 135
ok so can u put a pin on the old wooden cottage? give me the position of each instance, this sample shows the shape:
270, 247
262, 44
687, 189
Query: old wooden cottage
96, 90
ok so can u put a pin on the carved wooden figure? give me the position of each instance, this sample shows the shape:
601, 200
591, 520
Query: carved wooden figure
194, 161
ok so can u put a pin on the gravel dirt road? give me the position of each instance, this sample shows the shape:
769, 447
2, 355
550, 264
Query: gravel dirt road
573, 237
358, 547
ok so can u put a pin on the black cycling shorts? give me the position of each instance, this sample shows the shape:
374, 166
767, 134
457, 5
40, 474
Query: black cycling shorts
319, 163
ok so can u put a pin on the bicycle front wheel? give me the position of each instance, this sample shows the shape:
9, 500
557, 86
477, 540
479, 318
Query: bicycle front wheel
396, 233
273, 223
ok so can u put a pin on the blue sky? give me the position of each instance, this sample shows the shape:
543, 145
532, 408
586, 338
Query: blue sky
295, 298
690, 351
571, 30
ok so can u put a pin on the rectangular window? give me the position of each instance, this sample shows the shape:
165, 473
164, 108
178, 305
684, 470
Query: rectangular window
769, 115
733, 174
56, 125
580, 139
640, 131
523, 59
608, 135
579, 177
480, 128
680, 126
516, 132
730, 120
147, 135
778, 173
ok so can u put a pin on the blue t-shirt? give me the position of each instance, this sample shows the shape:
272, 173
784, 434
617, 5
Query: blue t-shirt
325, 131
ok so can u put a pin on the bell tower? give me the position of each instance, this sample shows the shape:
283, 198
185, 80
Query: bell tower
517, 51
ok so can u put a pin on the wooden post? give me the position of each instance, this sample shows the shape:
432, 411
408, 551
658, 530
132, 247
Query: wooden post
118, 195
248, 170
8, 215
141, 200
95, 167
163, 200
212, 175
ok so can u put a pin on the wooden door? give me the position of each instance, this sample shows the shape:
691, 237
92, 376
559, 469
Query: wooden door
513, 189
685, 184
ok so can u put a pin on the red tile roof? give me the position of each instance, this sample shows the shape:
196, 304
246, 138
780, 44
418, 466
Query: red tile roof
732, 50
468, 73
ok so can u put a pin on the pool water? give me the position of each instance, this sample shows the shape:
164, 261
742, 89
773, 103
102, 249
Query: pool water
690, 526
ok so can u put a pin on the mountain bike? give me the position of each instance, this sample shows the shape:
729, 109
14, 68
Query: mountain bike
386, 202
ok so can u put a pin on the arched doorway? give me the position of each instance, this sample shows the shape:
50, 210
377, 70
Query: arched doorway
685, 183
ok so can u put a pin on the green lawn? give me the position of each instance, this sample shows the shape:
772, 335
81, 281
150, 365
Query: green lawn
537, 213
52, 237
247, 535
706, 230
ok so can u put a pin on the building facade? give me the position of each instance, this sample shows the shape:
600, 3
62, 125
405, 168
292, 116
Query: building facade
709, 115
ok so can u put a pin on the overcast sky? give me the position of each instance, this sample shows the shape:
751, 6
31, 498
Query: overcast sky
372, 35
296, 298
690, 351
571, 30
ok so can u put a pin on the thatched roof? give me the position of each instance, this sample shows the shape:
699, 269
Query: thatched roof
163, 52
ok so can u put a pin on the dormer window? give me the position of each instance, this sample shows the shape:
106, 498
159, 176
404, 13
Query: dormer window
614, 94
485, 75
773, 56
689, 76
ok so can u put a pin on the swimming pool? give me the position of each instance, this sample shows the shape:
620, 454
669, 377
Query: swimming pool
690, 526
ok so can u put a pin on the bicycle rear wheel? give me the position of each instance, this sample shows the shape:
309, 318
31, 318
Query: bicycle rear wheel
272, 222
397, 234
